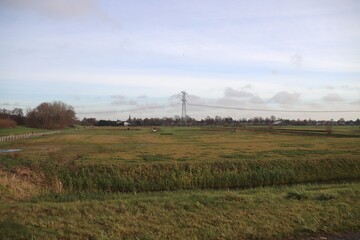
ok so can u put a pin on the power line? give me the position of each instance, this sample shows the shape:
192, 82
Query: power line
153, 103
271, 110
126, 110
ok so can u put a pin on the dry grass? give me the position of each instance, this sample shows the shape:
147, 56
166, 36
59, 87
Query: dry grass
21, 184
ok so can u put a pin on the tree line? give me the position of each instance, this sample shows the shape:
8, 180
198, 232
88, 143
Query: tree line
215, 121
47, 115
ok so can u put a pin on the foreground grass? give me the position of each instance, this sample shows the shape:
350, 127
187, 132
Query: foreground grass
261, 213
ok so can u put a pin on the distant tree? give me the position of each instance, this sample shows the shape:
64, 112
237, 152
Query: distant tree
209, 121
103, 123
88, 122
341, 121
16, 115
218, 120
228, 120
137, 122
53, 115
273, 118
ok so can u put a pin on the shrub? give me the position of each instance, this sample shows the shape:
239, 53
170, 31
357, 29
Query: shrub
7, 123
329, 129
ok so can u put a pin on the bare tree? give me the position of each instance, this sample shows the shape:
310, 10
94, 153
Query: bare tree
53, 115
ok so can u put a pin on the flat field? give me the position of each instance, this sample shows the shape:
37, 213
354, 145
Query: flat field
182, 183
19, 130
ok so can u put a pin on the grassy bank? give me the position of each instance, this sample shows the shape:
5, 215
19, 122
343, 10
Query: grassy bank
262, 213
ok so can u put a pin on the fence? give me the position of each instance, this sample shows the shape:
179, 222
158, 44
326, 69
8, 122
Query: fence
27, 135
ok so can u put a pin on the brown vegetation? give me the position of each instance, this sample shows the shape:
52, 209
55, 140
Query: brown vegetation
7, 123
328, 129
54, 115
21, 183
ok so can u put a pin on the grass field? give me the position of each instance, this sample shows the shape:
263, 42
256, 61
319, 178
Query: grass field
182, 183
19, 130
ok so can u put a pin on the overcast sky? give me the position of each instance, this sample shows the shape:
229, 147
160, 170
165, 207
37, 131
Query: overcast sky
112, 58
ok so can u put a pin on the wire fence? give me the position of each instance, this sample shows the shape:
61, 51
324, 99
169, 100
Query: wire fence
26, 135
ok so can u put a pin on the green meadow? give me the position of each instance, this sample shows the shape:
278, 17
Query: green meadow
181, 183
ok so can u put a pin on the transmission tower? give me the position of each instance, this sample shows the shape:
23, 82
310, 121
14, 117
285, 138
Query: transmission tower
183, 112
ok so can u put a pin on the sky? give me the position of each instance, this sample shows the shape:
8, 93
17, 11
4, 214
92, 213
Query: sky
112, 58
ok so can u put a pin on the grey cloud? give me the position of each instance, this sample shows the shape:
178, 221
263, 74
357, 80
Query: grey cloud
229, 92
56, 8
225, 101
297, 59
285, 98
193, 98
175, 96
145, 107
25, 51
142, 96
9, 104
329, 87
247, 87
5, 104
314, 105
118, 97
121, 100
332, 97
342, 87
233, 96
357, 102
190, 98
274, 72
350, 88
256, 99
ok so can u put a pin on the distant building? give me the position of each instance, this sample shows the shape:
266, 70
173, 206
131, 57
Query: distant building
122, 123
278, 123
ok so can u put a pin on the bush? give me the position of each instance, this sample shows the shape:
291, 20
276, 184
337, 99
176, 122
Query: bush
328, 129
7, 123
